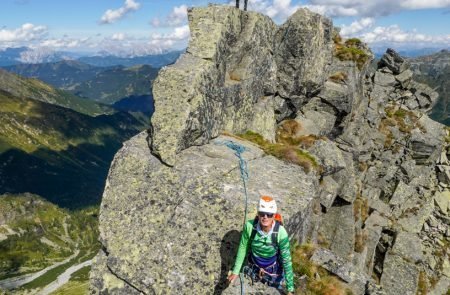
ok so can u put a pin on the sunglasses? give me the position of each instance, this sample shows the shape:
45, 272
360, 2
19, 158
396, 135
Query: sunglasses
262, 214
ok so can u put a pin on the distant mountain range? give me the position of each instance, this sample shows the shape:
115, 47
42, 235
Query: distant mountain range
125, 88
50, 149
434, 70
24, 55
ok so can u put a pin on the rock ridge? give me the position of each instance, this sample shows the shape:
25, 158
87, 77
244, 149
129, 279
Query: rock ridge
376, 206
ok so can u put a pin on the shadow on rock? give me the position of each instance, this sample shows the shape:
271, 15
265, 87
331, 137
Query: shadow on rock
228, 250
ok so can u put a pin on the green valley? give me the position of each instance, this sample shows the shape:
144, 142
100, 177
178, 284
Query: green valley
38, 90
37, 235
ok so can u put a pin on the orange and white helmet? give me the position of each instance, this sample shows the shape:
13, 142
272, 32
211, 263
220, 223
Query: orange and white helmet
267, 204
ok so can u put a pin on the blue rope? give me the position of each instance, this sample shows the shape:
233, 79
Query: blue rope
238, 151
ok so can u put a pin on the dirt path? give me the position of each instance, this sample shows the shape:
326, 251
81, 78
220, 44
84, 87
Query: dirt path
63, 278
16, 282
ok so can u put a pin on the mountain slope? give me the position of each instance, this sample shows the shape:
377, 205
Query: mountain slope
118, 83
38, 90
35, 234
434, 70
56, 152
60, 74
156, 61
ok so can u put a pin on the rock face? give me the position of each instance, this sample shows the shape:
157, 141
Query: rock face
235, 60
377, 207
178, 239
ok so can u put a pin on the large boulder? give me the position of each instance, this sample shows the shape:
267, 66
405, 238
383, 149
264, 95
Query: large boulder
175, 230
303, 54
393, 61
227, 68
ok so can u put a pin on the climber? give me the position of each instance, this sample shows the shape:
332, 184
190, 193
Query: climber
269, 259
245, 4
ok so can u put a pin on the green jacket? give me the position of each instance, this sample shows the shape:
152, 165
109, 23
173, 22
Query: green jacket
262, 247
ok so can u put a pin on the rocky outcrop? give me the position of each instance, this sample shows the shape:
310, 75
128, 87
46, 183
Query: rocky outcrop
376, 204
234, 63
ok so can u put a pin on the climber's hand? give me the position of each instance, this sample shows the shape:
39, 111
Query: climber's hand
231, 278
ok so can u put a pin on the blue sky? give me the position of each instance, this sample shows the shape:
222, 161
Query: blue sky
137, 27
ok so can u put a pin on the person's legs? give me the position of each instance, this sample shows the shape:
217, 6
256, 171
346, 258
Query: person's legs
237, 3
245, 5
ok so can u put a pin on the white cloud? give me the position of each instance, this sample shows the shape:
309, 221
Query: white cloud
337, 8
111, 16
118, 36
357, 26
177, 17
394, 34
26, 33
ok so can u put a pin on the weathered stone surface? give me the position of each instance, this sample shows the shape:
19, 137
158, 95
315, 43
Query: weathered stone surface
393, 61
426, 146
399, 276
408, 246
213, 86
413, 222
337, 95
340, 267
303, 52
442, 200
384, 79
328, 191
338, 229
187, 203
315, 122
404, 78
401, 194
441, 287
328, 155
264, 119
426, 96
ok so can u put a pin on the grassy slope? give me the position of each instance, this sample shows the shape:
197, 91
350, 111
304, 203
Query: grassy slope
33, 220
118, 83
38, 90
56, 152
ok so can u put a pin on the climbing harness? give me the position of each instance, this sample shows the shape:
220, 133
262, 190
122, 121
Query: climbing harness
238, 151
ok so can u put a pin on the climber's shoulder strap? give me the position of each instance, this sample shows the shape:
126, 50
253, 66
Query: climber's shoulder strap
253, 234
275, 231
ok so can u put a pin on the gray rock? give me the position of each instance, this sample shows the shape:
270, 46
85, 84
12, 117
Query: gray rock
384, 79
264, 119
328, 155
213, 86
146, 205
426, 145
408, 246
303, 53
399, 276
328, 191
413, 222
441, 287
337, 95
404, 78
401, 194
315, 122
338, 230
442, 201
426, 96
340, 267
393, 61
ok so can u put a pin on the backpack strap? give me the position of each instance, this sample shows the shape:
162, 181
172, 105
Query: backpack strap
275, 231
253, 234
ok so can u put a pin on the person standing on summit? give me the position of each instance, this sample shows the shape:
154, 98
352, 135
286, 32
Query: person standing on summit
245, 4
